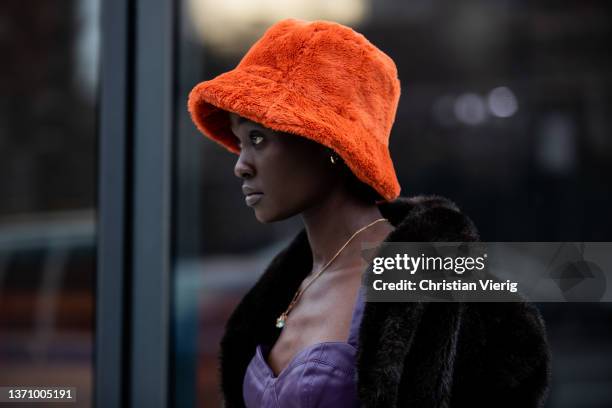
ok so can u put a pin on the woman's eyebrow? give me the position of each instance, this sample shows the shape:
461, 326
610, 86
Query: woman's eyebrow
240, 120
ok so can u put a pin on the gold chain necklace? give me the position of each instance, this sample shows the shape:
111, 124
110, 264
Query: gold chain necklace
280, 321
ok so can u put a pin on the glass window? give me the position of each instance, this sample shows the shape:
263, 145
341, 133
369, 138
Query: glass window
49, 85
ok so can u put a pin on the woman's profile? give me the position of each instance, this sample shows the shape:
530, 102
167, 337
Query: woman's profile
309, 111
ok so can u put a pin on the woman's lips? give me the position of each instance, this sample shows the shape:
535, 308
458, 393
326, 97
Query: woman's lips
253, 199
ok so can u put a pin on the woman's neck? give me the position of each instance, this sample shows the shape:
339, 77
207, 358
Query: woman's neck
332, 222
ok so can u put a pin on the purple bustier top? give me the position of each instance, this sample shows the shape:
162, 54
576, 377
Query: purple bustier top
322, 375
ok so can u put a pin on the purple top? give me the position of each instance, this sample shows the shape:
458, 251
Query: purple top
322, 375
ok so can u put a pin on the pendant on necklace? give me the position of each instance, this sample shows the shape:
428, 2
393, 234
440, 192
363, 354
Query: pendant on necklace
280, 322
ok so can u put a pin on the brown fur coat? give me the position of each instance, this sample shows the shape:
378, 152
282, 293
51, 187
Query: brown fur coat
412, 355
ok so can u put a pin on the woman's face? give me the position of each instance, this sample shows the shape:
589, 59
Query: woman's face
282, 174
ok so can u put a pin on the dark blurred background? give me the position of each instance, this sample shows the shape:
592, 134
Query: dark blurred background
48, 87
505, 109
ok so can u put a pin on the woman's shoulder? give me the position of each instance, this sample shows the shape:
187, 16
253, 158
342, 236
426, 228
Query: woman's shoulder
428, 218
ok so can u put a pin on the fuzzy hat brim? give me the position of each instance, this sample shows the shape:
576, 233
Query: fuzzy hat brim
274, 106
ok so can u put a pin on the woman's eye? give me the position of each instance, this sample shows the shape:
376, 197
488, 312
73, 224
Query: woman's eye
256, 138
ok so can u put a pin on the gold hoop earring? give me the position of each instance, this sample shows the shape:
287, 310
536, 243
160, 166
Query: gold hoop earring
334, 158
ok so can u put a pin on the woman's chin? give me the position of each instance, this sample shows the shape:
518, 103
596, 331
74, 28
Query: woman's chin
263, 216
266, 216
261, 219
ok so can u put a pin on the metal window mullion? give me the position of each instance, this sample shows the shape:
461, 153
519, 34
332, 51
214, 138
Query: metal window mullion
111, 274
154, 63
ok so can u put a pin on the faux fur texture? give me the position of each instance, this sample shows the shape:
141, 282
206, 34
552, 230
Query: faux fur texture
320, 80
412, 355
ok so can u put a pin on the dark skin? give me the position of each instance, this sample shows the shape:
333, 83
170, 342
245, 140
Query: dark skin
295, 176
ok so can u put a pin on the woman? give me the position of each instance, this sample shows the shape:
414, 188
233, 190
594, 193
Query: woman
309, 110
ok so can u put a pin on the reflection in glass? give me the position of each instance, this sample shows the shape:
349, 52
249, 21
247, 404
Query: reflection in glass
47, 189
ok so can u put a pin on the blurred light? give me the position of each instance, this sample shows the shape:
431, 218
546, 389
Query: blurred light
442, 111
87, 47
231, 26
556, 143
470, 109
502, 102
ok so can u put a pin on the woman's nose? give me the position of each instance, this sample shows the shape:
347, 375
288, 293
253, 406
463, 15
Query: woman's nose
243, 169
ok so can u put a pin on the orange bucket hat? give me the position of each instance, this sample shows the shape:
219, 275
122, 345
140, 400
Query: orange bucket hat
319, 80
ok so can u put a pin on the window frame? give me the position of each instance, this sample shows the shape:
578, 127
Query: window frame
134, 197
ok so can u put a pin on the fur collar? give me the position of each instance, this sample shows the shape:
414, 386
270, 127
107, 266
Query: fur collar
409, 354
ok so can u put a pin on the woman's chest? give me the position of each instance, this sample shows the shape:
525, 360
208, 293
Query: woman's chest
322, 315
318, 368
